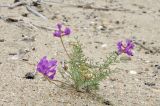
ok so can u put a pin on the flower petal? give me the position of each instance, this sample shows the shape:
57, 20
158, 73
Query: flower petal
59, 26
119, 47
57, 33
67, 31
129, 53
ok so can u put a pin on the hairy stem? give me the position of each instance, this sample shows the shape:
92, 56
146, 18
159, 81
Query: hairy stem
62, 82
65, 48
52, 81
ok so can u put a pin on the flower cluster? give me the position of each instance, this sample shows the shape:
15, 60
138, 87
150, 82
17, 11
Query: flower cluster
125, 48
59, 32
47, 67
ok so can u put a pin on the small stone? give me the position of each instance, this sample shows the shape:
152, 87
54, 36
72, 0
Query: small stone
12, 54
151, 66
33, 49
146, 69
53, 17
96, 47
92, 23
150, 83
117, 22
2, 40
113, 79
146, 52
143, 42
158, 67
30, 75
98, 42
12, 20
107, 102
147, 61
23, 35
144, 12
25, 59
151, 51
25, 15
16, 1
135, 26
133, 72
101, 27
104, 46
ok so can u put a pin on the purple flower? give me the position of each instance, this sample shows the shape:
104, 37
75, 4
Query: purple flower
125, 48
47, 67
67, 31
59, 32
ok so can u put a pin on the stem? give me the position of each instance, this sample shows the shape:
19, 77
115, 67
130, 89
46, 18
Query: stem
65, 48
62, 82
53, 83
56, 80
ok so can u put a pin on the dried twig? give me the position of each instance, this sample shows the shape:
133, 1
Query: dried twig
35, 12
17, 4
142, 46
50, 2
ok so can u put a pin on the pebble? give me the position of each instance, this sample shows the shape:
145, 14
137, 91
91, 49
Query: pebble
30, 75
25, 15
146, 69
12, 54
133, 72
92, 23
135, 26
144, 12
150, 83
107, 102
117, 22
2, 40
158, 67
146, 52
104, 46
101, 27
33, 48
147, 61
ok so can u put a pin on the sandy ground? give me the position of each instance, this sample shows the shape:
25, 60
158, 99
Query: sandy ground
135, 82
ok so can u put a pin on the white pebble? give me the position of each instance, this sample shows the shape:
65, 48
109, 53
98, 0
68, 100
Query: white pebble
147, 61
92, 23
104, 46
99, 27
133, 72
